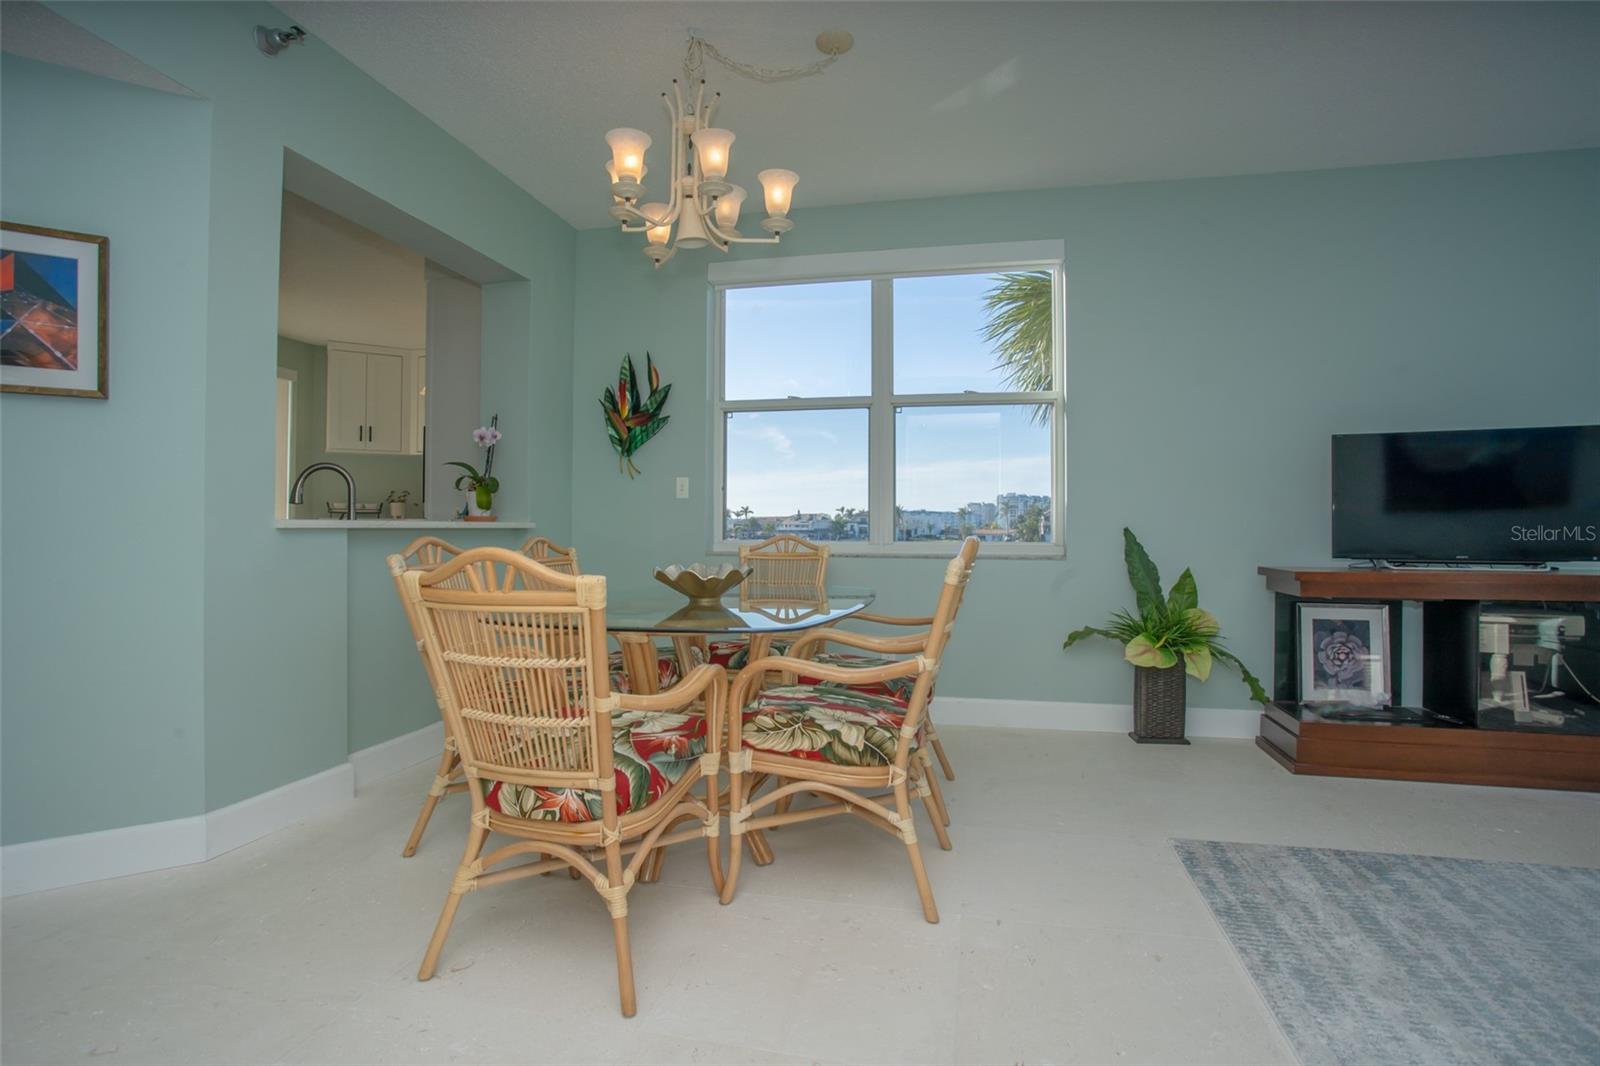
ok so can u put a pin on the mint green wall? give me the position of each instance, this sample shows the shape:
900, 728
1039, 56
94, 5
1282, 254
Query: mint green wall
102, 511
278, 622
1218, 332
388, 692
375, 475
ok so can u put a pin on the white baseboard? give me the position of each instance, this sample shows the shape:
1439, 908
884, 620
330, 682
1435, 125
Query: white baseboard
1086, 717
71, 860
250, 819
136, 849
381, 760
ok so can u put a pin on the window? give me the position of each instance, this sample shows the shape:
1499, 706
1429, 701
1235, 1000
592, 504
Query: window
887, 400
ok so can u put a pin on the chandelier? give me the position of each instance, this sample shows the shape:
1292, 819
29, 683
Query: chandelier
702, 205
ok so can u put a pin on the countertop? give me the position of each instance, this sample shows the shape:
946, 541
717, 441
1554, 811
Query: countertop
378, 525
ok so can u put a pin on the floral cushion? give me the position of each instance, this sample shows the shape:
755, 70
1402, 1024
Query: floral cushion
898, 687
842, 726
666, 667
733, 654
651, 751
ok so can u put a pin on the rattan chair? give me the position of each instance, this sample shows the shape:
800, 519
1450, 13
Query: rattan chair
850, 748
669, 663
786, 561
552, 758
784, 567
426, 553
899, 687
548, 553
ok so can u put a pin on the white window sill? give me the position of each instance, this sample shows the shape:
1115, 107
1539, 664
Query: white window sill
922, 549
363, 525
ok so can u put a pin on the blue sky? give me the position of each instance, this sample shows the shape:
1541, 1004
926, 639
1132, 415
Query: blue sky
815, 340
799, 340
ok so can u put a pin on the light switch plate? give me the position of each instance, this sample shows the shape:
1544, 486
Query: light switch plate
683, 488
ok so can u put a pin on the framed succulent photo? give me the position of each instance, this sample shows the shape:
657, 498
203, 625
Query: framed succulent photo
1344, 653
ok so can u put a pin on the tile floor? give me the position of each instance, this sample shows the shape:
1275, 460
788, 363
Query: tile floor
1070, 932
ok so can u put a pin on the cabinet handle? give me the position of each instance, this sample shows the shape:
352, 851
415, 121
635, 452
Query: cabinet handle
359, 432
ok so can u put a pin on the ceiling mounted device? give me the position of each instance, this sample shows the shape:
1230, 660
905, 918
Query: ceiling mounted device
702, 205
271, 41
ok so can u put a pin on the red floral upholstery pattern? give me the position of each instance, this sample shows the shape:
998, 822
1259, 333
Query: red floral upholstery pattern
842, 726
733, 654
666, 666
651, 751
898, 687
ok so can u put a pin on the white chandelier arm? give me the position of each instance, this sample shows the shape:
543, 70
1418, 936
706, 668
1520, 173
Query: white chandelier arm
712, 228
675, 164
645, 222
709, 221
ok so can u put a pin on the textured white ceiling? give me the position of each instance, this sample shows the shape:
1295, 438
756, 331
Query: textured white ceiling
948, 98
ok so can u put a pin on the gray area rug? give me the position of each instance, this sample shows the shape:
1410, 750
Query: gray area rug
1372, 958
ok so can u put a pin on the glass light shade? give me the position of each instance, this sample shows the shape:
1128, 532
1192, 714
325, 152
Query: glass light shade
611, 172
627, 152
712, 147
656, 234
778, 188
727, 209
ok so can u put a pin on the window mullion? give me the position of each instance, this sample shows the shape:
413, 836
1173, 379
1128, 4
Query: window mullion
799, 403
880, 426
719, 418
976, 399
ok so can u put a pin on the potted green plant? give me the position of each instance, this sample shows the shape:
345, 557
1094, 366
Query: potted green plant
1170, 637
480, 488
396, 503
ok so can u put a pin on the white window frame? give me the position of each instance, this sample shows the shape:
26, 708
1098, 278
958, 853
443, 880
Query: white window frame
881, 268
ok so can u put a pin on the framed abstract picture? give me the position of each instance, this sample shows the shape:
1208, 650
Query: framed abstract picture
52, 311
1344, 654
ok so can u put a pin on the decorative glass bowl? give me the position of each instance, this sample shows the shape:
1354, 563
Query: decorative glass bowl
705, 586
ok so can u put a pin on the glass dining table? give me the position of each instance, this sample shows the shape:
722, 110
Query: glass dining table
761, 614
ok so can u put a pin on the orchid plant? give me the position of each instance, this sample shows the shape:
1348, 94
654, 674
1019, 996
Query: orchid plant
483, 485
1168, 629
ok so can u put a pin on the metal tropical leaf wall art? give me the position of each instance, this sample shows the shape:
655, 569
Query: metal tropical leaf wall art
631, 423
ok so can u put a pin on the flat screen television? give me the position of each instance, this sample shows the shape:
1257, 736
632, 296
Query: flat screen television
1473, 496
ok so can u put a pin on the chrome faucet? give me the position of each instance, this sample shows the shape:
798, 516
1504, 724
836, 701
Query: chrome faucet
298, 493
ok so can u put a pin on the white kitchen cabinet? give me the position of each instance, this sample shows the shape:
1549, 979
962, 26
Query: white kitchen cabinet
371, 405
347, 400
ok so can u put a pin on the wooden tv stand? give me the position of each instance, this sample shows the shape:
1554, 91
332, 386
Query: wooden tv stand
1304, 742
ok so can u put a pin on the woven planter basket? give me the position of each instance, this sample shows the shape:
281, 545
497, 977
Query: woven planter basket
1158, 705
